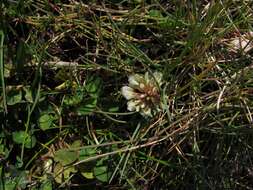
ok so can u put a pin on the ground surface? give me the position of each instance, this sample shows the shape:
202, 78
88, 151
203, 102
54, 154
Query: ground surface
126, 94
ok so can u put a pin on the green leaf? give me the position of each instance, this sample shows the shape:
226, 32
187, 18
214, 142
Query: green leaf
101, 171
86, 168
9, 185
7, 70
93, 86
65, 156
21, 136
46, 185
4, 151
113, 109
71, 100
45, 121
88, 175
28, 95
30, 142
58, 173
86, 153
155, 13
19, 162
14, 97
16, 180
61, 174
76, 144
87, 106
67, 171
2, 147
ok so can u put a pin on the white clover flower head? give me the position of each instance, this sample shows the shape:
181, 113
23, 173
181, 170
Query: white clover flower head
143, 93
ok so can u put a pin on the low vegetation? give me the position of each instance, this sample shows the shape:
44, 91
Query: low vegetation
126, 94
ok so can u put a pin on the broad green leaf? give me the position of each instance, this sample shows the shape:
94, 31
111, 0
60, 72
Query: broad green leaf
76, 144
2, 147
65, 156
88, 175
19, 162
30, 142
101, 173
28, 95
155, 13
101, 170
87, 153
4, 151
61, 174
93, 86
75, 98
46, 185
16, 180
21, 136
45, 121
86, 169
113, 109
67, 171
14, 97
22, 179
71, 100
7, 70
9, 185
58, 173
87, 106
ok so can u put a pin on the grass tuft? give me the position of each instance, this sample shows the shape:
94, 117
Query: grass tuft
126, 94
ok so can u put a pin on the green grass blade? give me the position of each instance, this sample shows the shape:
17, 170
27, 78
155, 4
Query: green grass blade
2, 70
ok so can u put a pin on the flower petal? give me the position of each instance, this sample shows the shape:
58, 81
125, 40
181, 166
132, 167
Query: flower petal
147, 77
158, 77
128, 92
147, 112
132, 105
134, 80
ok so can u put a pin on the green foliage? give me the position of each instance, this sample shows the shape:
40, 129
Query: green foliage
86, 169
46, 121
101, 170
87, 106
14, 179
46, 185
64, 122
14, 97
84, 98
93, 86
21, 137
65, 156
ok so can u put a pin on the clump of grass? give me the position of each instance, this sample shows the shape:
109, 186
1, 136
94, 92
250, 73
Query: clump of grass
65, 68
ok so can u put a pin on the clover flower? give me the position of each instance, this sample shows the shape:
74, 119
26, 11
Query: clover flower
143, 93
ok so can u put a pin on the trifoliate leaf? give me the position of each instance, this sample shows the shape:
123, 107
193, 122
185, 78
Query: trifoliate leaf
14, 97
21, 136
65, 156
93, 86
87, 106
45, 121
88, 175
